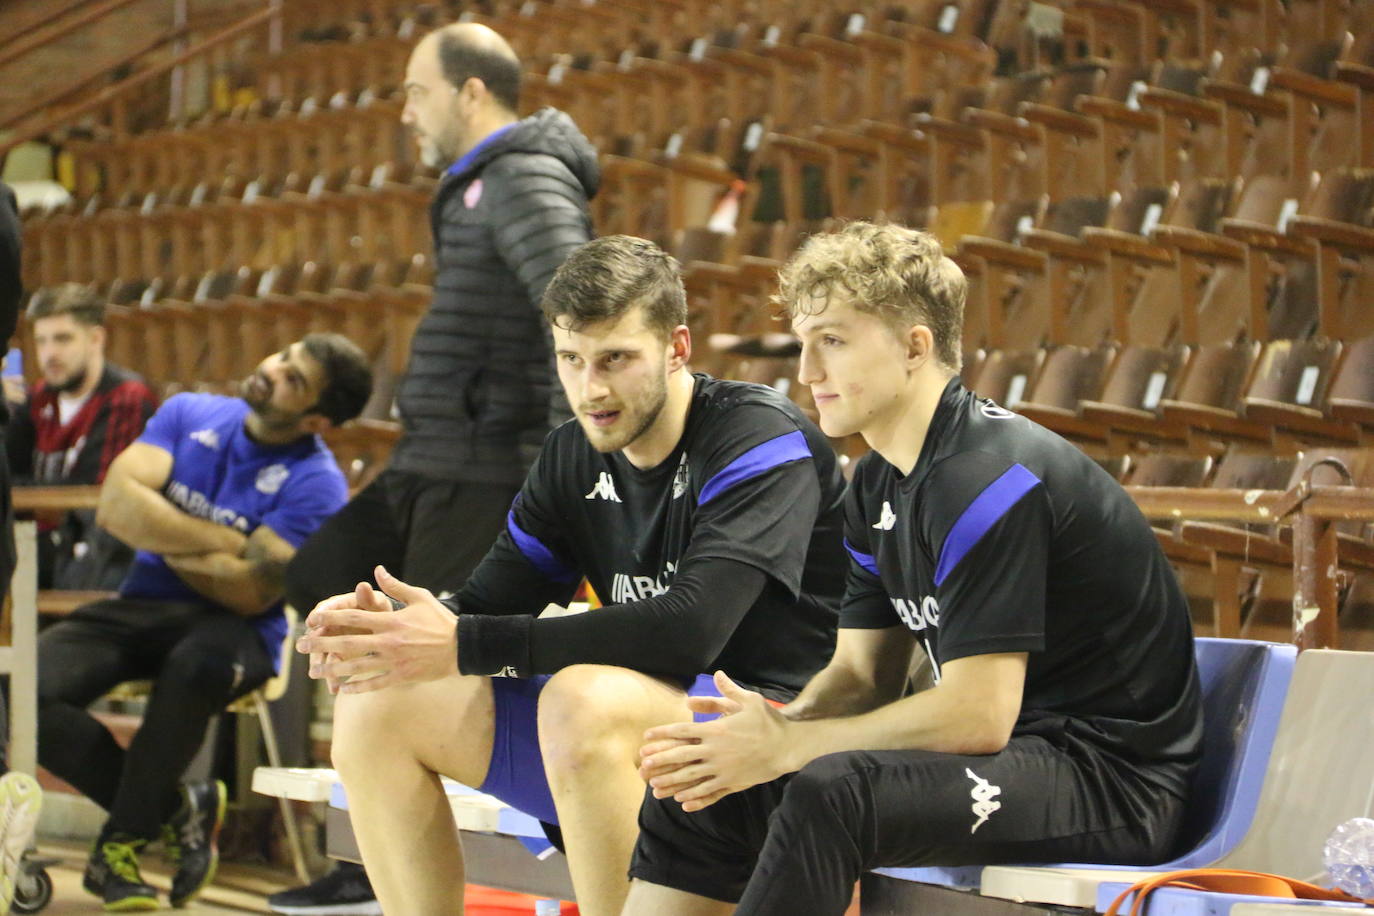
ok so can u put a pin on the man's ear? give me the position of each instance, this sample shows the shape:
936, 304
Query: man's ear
920, 345
315, 424
474, 88
100, 336
679, 347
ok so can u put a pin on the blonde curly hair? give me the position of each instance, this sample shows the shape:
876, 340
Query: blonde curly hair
898, 274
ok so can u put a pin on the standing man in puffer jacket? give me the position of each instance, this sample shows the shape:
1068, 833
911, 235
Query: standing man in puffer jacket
478, 395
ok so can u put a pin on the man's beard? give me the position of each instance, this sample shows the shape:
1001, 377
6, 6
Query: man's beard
434, 154
431, 156
71, 383
245, 391
656, 399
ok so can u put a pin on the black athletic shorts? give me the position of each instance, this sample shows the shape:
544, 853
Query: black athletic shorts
812, 833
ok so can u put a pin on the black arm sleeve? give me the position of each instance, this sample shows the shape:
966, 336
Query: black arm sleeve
677, 633
19, 442
11, 286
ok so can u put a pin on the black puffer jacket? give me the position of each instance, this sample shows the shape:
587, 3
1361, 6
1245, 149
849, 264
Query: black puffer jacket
11, 287
475, 400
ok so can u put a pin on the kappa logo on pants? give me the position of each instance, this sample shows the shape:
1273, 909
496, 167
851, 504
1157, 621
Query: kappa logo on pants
983, 794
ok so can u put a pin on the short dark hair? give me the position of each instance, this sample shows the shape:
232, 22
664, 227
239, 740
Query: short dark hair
82, 302
349, 377
607, 277
461, 61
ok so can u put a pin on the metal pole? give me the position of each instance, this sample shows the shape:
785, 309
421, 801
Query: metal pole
274, 45
177, 102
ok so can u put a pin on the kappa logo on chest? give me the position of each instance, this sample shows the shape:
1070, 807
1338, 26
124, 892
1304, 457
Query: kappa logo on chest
604, 489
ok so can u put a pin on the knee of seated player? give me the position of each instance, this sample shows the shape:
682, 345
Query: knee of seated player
367, 727
589, 714
194, 670
828, 790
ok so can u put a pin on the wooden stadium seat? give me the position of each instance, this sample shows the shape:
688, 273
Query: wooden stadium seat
1162, 469
1220, 586
1215, 297
1350, 398
1288, 372
1006, 376
1137, 380
1024, 293
1068, 376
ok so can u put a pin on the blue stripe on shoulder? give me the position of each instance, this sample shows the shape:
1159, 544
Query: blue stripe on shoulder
762, 457
540, 556
866, 560
981, 514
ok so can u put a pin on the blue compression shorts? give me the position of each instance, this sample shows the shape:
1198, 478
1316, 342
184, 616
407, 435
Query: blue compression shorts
516, 772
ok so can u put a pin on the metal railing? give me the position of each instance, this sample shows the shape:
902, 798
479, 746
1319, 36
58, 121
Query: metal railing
110, 106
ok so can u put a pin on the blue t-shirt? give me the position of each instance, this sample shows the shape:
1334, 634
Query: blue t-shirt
220, 474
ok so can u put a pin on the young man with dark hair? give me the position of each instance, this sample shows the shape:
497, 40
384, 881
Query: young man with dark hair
1065, 720
83, 413
706, 515
216, 495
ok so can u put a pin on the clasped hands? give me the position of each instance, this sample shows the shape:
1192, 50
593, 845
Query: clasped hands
699, 763
356, 644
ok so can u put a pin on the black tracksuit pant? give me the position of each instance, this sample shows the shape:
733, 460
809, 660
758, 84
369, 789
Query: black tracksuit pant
199, 658
798, 844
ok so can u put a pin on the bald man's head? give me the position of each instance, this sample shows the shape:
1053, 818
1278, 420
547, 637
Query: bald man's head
462, 83
467, 50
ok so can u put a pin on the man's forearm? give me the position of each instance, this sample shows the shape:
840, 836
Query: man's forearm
228, 580
946, 721
144, 519
835, 690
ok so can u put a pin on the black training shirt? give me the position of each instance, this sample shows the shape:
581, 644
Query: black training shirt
1006, 538
728, 554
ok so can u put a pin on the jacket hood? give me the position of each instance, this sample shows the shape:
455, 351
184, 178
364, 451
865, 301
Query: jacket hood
549, 132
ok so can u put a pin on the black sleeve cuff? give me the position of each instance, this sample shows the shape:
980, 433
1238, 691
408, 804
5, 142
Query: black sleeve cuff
494, 645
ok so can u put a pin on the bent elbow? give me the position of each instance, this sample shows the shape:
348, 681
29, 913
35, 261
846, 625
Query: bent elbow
107, 518
987, 735
989, 744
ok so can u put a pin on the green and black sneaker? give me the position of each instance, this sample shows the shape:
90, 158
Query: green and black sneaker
112, 875
190, 838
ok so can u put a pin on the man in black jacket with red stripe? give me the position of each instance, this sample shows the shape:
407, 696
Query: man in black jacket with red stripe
475, 399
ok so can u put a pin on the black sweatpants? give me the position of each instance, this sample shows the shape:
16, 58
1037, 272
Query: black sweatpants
798, 844
426, 532
199, 658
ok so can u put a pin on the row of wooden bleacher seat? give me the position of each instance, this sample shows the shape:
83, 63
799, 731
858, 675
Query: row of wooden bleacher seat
785, 159
1282, 395
1132, 198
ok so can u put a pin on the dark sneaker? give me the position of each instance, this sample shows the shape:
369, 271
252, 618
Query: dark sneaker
189, 838
343, 891
112, 875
